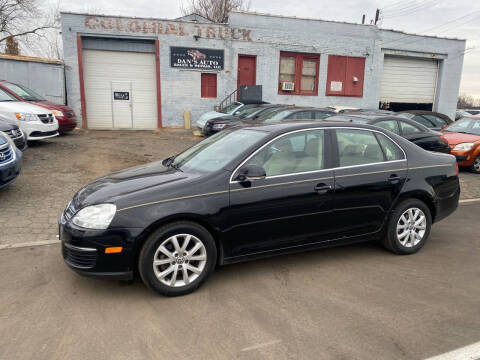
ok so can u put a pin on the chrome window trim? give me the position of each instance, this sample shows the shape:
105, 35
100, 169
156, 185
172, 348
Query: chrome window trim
315, 171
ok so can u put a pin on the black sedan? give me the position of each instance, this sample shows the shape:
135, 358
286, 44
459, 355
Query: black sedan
14, 132
254, 112
257, 191
420, 135
430, 119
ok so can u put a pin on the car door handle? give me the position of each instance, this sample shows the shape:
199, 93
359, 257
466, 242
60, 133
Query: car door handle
394, 178
322, 188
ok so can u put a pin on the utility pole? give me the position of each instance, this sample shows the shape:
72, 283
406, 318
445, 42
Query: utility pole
363, 19
377, 15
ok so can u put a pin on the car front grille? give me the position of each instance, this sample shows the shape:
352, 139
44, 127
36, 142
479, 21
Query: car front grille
82, 258
6, 154
14, 133
46, 118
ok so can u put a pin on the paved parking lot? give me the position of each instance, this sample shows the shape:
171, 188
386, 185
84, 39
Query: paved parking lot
355, 302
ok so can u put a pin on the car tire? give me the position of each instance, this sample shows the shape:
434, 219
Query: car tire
171, 268
476, 165
405, 236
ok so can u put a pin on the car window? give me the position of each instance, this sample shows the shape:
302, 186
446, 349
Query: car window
408, 129
390, 149
230, 108
358, 147
4, 96
437, 121
24, 92
301, 115
321, 114
424, 121
390, 125
298, 152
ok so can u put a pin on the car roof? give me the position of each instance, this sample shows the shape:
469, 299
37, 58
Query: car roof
281, 127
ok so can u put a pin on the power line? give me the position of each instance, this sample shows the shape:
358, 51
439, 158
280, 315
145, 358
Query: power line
408, 7
399, 2
412, 10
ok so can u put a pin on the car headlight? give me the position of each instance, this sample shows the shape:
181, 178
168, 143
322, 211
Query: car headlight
26, 117
57, 113
96, 217
463, 147
9, 140
219, 126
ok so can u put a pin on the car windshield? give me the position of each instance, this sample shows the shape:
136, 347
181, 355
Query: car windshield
24, 92
230, 108
280, 115
217, 151
465, 126
247, 110
267, 113
4, 96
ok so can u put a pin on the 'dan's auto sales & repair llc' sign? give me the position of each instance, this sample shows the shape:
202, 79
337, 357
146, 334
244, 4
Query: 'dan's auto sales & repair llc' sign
192, 58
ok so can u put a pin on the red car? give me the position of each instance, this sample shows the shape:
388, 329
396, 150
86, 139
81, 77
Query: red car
67, 121
463, 137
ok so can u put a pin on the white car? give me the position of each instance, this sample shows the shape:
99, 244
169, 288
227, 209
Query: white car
226, 111
37, 123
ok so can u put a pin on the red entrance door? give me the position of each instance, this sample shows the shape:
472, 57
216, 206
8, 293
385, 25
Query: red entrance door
247, 70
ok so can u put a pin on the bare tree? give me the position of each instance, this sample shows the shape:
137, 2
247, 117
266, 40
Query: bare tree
214, 10
22, 19
467, 102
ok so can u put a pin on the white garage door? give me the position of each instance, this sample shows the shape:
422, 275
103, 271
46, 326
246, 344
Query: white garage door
407, 80
120, 89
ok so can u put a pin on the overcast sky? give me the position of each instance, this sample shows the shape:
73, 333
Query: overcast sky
416, 16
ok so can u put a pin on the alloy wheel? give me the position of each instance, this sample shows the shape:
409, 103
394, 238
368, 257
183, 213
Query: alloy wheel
179, 260
411, 227
476, 164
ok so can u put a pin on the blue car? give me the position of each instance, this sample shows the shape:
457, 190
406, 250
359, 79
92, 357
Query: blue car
10, 160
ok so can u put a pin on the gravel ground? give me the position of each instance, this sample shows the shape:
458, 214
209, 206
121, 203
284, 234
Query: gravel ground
55, 169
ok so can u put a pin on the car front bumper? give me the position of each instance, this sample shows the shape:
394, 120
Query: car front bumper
10, 172
38, 131
84, 251
464, 158
66, 124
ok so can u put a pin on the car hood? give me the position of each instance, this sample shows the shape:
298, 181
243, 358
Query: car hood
20, 106
128, 185
7, 124
50, 105
458, 138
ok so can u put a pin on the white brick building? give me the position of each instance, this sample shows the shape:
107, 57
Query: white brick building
126, 72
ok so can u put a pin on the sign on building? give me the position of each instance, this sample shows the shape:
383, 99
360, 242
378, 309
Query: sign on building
199, 59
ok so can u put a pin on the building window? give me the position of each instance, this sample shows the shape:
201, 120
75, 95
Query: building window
298, 74
209, 85
345, 76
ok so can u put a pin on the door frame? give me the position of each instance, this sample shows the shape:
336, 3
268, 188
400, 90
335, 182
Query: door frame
238, 69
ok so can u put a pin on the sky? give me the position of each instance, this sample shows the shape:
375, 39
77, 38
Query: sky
458, 18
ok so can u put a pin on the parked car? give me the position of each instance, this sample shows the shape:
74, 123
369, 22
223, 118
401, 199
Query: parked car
460, 114
67, 120
463, 137
370, 111
257, 191
10, 160
36, 122
411, 130
473, 111
342, 109
253, 112
293, 113
231, 109
430, 119
14, 132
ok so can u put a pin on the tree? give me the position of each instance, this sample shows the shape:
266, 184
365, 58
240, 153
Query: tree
21, 19
215, 10
11, 46
467, 102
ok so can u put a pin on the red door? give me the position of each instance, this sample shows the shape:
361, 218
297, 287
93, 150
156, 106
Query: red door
247, 70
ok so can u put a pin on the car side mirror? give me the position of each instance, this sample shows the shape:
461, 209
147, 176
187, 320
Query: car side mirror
251, 172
